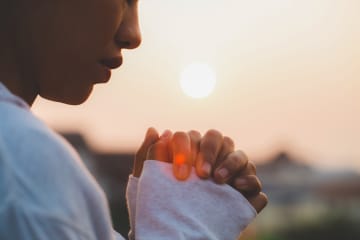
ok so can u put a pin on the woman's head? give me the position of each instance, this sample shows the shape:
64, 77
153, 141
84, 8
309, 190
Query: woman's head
58, 48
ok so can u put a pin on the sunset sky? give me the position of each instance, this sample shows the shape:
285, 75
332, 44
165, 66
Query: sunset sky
288, 77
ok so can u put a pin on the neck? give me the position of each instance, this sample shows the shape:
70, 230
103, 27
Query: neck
19, 90
11, 70
11, 76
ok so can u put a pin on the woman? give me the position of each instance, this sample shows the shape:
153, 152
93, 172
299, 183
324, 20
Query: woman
58, 49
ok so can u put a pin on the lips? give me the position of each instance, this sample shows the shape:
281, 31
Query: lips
112, 63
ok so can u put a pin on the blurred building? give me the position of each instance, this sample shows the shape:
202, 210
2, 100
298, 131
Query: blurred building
300, 194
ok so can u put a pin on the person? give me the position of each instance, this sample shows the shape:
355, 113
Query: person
59, 50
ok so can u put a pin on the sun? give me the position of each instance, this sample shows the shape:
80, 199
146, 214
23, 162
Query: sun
198, 80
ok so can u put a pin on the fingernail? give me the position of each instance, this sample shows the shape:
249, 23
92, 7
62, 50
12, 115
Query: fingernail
151, 129
223, 173
241, 182
166, 134
206, 168
148, 132
182, 171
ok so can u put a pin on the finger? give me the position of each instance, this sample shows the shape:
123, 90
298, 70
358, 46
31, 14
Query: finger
233, 164
259, 202
249, 170
221, 174
210, 147
160, 150
181, 152
195, 138
249, 185
227, 148
150, 138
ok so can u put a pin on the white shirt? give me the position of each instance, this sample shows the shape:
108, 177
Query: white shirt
47, 193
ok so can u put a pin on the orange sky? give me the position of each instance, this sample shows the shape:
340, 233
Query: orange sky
288, 76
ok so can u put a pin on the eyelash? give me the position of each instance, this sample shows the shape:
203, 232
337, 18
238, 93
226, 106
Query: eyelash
131, 2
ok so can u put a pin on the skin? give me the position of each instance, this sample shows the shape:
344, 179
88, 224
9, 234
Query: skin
58, 58
214, 149
54, 49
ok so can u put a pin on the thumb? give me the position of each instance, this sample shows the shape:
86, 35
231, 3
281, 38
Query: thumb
159, 151
150, 138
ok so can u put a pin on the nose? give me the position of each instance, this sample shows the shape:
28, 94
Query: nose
128, 35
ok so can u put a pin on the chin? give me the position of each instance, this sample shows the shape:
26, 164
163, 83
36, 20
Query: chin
71, 98
75, 101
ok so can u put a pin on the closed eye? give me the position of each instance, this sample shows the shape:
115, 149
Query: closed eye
131, 2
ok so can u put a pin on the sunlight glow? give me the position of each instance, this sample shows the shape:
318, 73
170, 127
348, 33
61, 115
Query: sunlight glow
198, 80
179, 159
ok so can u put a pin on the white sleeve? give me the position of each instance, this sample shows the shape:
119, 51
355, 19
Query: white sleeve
117, 236
131, 193
162, 207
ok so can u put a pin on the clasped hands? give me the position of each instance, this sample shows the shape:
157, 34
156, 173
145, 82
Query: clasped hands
213, 156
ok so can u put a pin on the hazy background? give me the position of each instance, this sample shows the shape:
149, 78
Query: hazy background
287, 76
288, 82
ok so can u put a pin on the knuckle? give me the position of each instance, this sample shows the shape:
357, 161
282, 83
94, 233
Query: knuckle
264, 198
179, 134
238, 160
212, 133
243, 156
230, 164
209, 147
233, 163
212, 141
179, 137
209, 156
228, 141
253, 186
194, 134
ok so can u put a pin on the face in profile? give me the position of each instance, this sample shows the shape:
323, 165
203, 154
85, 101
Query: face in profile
64, 47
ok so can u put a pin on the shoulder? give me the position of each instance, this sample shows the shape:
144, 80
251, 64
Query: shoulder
21, 132
24, 222
39, 167
43, 175
25, 140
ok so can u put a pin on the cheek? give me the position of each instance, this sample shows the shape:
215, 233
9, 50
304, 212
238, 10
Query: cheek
67, 67
94, 31
69, 81
64, 52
